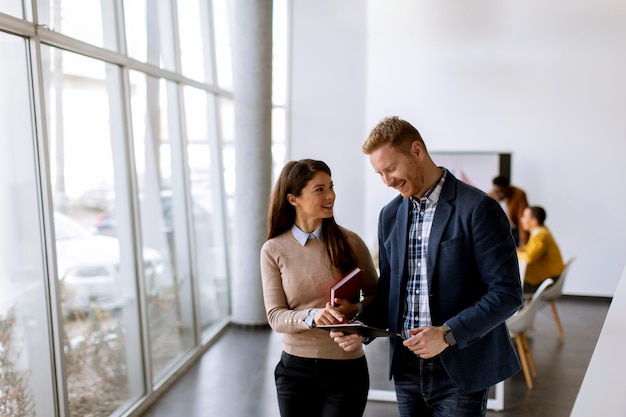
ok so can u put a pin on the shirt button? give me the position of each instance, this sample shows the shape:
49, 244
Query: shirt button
419, 238
416, 318
417, 291
421, 213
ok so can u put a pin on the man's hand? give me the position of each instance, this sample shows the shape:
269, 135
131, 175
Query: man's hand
426, 342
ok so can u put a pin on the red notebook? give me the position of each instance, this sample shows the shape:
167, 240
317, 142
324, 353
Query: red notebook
348, 287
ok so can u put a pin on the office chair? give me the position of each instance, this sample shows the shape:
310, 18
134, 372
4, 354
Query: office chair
521, 322
552, 293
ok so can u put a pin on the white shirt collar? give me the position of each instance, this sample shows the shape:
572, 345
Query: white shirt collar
302, 237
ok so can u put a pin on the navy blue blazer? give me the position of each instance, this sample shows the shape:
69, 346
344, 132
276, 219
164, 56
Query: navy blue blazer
473, 280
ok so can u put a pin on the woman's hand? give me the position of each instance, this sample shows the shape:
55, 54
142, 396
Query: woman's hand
347, 342
329, 315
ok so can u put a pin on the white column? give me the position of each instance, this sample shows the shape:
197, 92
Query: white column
252, 83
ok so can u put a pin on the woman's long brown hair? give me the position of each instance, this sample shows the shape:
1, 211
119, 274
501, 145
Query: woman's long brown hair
294, 176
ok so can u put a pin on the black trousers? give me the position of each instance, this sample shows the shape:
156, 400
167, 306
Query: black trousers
308, 387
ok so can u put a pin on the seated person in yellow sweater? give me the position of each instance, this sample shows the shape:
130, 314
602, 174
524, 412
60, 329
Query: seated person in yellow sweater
541, 253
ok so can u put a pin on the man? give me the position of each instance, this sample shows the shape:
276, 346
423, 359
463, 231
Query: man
449, 279
513, 201
541, 253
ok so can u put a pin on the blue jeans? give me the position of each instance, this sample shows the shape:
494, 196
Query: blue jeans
423, 388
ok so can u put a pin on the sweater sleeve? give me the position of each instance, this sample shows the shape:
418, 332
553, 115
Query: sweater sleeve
280, 317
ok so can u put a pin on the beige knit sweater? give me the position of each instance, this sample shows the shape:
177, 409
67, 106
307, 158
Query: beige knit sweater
298, 278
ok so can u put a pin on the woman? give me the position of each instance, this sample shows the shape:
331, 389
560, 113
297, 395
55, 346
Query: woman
305, 254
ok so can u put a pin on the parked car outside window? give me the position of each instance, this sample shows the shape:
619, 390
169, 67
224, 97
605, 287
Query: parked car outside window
89, 267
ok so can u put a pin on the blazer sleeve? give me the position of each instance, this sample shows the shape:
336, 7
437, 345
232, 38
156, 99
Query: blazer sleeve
488, 283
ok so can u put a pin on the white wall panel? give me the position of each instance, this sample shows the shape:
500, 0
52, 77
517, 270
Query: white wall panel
543, 81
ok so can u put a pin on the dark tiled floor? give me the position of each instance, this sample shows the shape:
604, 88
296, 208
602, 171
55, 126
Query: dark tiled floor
234, 377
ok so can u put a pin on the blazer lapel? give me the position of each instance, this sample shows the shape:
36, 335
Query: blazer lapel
442, 216
402, 219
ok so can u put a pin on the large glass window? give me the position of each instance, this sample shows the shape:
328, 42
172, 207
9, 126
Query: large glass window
227, 130
12, 7
25, 354
280, 47
279, 141
91, 21
96, 269
150, 32
223, 51
279, 52
163, 213
117, 185
195, 39
206, 196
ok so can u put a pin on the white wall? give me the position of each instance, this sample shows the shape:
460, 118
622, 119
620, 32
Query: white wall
542, 80
327, 96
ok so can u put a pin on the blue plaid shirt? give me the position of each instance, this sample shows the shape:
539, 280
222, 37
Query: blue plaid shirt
417, 308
